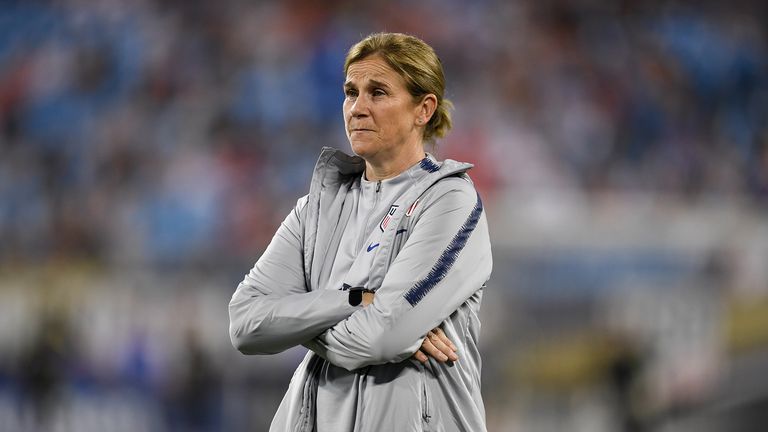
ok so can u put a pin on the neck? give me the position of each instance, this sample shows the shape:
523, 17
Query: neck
392, 167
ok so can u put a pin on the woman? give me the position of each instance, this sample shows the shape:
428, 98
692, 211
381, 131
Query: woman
387, 245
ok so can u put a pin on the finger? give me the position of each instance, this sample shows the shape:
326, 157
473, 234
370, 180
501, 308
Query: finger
442, 346
439, 332
443, 351
428, 347
420, 356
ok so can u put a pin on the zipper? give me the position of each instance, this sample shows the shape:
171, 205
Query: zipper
364, 233
425, 411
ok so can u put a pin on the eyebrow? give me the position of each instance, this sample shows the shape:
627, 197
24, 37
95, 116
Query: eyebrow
373, 83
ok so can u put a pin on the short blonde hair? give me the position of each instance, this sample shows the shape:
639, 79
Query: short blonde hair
418, 64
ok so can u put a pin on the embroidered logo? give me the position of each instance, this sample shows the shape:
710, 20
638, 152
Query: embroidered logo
372, 246
384, 222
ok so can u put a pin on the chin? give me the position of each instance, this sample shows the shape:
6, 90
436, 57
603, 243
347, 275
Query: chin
361, 149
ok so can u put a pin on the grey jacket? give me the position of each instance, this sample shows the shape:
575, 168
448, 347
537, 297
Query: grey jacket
430, 260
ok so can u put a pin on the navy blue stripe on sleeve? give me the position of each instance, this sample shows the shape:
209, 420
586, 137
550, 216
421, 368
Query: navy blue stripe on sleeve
446, 259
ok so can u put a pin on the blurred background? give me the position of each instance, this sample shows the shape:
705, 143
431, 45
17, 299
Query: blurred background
149, 149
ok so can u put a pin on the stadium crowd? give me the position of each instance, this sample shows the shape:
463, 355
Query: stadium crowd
167, 132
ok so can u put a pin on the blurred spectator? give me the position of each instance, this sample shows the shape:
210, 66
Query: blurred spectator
45, 369
195, 396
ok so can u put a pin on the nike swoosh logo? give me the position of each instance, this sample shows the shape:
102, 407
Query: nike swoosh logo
372, 246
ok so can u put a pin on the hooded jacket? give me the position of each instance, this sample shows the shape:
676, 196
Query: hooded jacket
426, 255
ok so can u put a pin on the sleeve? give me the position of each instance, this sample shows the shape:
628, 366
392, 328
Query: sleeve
445, 260
271, 309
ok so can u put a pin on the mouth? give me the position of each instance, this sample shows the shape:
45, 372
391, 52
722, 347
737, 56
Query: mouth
360, 130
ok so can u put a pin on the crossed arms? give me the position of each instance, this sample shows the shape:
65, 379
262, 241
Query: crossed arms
445, 260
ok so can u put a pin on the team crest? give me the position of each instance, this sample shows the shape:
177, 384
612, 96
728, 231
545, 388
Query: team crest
384, 222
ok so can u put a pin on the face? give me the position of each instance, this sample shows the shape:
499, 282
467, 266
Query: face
380, 114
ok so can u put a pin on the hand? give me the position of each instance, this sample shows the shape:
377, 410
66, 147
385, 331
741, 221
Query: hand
438, 346
367, 298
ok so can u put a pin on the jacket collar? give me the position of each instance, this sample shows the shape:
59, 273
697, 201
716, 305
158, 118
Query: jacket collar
347, 165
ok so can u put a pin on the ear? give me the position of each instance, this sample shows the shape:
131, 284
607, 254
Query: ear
426, 108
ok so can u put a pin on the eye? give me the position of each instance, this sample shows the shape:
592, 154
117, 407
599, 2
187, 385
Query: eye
350, 93
379, 92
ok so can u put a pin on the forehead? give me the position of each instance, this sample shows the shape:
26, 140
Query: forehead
373, 68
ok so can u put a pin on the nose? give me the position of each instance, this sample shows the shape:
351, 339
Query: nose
359, 107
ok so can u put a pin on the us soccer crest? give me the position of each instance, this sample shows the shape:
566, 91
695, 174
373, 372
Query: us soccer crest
384, 222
